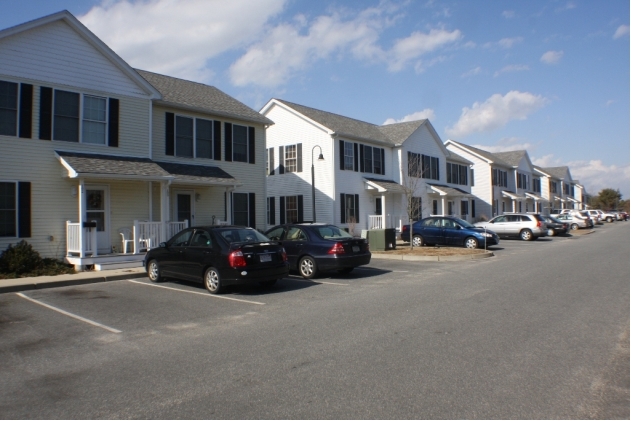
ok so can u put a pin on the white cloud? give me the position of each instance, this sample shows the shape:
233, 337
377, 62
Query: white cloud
568, 6
504, 43
178, 37
621, 31
610, 102
552, 57
473, 72
508, 14
427, 113
511, 68
495, 112
508, 144
417, 44
593, 174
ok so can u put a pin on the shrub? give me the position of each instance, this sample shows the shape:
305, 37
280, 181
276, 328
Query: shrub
20, 259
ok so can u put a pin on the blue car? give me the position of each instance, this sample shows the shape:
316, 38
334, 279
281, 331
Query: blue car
450, 231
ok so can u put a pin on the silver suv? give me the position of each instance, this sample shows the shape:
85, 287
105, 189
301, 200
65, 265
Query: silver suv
527, 226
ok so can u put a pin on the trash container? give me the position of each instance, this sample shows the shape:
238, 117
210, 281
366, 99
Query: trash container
383, 239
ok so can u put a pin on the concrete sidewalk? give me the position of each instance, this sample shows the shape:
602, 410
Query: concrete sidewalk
88, 277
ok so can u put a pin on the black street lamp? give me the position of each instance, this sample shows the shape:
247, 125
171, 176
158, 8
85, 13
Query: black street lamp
320, 158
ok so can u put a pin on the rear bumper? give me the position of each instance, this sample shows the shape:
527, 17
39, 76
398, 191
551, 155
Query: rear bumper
336, 262
250, 276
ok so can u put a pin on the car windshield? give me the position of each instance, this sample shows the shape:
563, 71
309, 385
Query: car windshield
331, 231
242, 235
463, 223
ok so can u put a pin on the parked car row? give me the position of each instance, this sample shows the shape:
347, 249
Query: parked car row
596, 215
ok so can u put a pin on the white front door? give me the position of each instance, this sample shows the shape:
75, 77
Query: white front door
97, 209
184, 206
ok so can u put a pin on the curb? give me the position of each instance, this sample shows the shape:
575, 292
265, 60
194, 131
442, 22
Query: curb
63, 281
433, 258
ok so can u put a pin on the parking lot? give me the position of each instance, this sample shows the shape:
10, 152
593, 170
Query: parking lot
392, 339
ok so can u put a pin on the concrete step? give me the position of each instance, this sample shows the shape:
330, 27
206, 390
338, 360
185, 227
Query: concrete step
118, 265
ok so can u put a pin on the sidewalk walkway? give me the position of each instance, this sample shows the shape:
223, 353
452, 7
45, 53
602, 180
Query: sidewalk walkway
88, 277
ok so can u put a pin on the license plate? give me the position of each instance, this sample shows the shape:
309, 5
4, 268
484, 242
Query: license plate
355, 249
265, 257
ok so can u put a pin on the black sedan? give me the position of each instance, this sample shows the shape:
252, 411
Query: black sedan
315, 247
218, 256
556, 226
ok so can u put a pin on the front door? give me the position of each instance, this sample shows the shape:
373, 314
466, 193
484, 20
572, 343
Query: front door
97, 205
183, 207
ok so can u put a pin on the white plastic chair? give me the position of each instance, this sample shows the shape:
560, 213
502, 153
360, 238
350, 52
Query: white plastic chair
126, 238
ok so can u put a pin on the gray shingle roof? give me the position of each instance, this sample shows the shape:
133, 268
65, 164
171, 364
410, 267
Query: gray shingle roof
388, 185
184, 93
394, 134
487, 155
109, 165
451, 191
558, 172
511, 157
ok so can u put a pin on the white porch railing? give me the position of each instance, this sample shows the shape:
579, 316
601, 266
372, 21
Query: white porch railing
375, 222
392, 221
80, 240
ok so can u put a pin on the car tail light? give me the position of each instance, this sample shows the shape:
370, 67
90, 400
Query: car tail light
405, 228
539, 224
283, 254
338, 248
236, 259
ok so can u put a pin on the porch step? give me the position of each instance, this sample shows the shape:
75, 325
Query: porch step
118, 265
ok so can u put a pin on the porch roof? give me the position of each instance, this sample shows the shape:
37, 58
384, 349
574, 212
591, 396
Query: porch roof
94, 166
512, 195
447, 191
383, 186
534, 196
571, 199
560, 199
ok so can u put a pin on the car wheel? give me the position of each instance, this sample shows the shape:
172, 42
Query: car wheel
345, 270
212, 281
268, 283
550, 232
307, 267
418, 241
471, 243
609, 219
526, 235
574, 227
153, 271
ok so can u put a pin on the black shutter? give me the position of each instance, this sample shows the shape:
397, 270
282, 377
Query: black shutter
271, 161
45, 113
272, 211
357, 208
228, 151
24, 209
252, 209
113, 123
341, 154
473, 208
282, 210
26, 110
225, 206
355, 157
437, 169
251, 146
217, 140
361, 158
281, 160
383, 162
169, 133
300, 209
299, 157
342, 209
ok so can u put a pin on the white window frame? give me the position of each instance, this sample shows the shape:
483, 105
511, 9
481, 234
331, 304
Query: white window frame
291, 158
291, 211
247, 144
194, 136
349, 160
81, 117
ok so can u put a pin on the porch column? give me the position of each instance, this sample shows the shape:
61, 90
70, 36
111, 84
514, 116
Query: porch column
229, 205
384, 222
442, 201
81, 198
164, 209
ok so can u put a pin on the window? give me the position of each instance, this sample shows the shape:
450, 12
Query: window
553, 186
414, 164
239, 143
457, 174
66, 116
349, 158
536, 185
8, 210
203, 138
417, 208
184, 136
435, 207
500, 178
291, 209
566, 188
182, 238
290, 158
94, 119
367, 159
371, 159
430, 168
8, 108
349, 207
522, 181
240, 209
376, 160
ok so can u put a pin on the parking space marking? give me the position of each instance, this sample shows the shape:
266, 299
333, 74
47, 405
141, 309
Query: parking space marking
205, 294
74, 316
319, 282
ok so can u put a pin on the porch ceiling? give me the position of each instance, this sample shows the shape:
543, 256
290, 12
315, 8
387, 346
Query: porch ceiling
447, 191
534, 196
82, 165
512, 195
384, 186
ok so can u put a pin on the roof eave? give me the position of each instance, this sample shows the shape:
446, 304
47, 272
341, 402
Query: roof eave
262, 120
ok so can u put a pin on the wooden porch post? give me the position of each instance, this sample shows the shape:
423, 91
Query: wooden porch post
81, 198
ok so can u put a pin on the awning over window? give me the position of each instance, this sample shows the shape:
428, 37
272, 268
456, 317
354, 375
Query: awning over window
384, 186
447, 191
94, 166
534, 196
571, 199
512, 195
560, 199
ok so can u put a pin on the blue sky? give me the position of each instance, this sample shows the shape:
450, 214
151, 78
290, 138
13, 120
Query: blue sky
548, 76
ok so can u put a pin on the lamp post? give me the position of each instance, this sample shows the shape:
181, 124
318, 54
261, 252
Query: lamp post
320, 158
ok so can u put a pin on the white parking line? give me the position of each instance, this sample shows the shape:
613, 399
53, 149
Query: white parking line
319, 282
205, 294
83, 319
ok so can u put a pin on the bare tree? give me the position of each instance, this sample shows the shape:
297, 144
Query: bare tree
410, 181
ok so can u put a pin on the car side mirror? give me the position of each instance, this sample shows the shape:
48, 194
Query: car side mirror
162, 244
